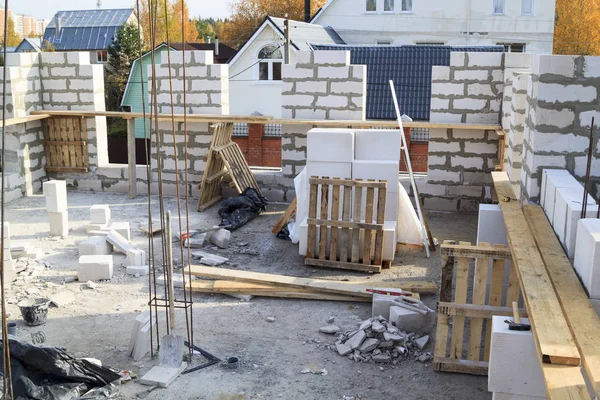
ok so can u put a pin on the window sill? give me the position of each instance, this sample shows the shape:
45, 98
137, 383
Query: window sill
259, 82
499, 15
406, 12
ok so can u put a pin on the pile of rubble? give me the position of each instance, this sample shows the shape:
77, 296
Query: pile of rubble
377, 340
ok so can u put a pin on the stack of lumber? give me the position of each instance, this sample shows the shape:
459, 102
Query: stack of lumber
566, 329
229, 281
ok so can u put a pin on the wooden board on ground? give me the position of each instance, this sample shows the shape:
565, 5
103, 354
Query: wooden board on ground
577, 308
306, 283
553, 337
285, 218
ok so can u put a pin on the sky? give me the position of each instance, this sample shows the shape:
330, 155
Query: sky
47, 9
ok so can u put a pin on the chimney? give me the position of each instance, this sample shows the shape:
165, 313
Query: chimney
207, 39
57, 25
306, 10
216, 45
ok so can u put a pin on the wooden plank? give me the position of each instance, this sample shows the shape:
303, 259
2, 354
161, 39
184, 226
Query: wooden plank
335, 216
47, 126
356, 218
60, 143
441, 336
285, 218
342, 265
345, 234
320, 285
553, 338
71, 139
447, 275
479, 291
85, 160
577, 308
367, 245
455, 250
460, 366
349, 182
80, 144
476, 311
24, 120
66, 169
379, 241
324, 216
460, 296
343, 224
64, 148
312, 229
513, 291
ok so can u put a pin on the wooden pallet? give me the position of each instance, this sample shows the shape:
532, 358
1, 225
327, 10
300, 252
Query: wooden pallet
65, 144
356, 225
467, 313
225, 159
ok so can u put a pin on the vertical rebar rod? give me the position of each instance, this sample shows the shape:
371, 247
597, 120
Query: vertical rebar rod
586, 187
169, 268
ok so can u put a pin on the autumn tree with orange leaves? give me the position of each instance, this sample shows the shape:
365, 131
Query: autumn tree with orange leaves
161, 17
577, 27
247, 15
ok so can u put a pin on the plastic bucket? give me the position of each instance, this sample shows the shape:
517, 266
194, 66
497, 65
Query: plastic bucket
34, 311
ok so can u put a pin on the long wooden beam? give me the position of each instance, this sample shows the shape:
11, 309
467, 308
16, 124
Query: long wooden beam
321, 285
459, 250
555, 345
576, 306
270, 120
24, 120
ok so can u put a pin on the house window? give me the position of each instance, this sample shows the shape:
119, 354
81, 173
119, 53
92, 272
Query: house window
526, 7
371, 5
406, 5
389, 5
513, 47
269, 66
102, 56
499, 7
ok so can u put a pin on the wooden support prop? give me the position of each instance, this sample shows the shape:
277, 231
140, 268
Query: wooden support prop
131, 158
554, 340
577, 308
319, 285
285, 218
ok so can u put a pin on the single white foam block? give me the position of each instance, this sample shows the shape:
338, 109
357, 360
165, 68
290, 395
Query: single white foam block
302, 244
552, 183
56, 196
377, 144
378, 170
514, 366
59, 223
389, 240
508, 396
93, 268
100, 214
335, 145
220, 238
574, 209
162, 375
545, 174
329, 169
95, 246
566, 198
122, 228
587, 255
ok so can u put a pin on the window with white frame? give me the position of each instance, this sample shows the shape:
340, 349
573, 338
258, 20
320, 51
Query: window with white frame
269, 66
499, 7
102, 56
389, 5
513, 47
407, 5
526, 7
371, 5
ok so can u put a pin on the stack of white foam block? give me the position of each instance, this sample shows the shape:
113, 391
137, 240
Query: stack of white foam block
56, 204
587, 255
514, 368
356, 154
562, 198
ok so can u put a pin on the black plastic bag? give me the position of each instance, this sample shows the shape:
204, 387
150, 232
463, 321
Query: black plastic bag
238, 211
49, 373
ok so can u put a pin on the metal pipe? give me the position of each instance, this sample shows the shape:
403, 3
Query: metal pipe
586, 187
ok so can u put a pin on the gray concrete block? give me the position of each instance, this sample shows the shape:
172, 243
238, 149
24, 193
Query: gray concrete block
220, 238
92, 268
406, 320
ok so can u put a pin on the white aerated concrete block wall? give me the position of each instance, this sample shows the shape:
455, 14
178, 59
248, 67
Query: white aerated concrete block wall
587, 255
547, 194
514, 367
554, 182
330, 145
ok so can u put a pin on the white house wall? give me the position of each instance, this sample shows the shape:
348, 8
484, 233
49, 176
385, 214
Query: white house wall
445, 22
247, 93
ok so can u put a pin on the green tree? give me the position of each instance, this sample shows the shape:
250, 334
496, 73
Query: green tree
121, 54
205, 29
12, 39
48, 47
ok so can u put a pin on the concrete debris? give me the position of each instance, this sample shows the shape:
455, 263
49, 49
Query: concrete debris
195, 241
270, 319
377, 340
209, 259
330, 320
220, 238
314, 371
90, 285
329, 329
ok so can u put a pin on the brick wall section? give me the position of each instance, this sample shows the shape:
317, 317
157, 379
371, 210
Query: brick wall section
469, 90
562, 98
271, 151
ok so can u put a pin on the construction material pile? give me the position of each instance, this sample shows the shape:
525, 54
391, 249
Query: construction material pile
377, 340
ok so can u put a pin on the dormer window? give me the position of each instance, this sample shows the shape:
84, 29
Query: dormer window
371, 6
269, 66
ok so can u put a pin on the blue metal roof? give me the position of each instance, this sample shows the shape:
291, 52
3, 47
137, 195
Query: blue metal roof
410, 69
86, 29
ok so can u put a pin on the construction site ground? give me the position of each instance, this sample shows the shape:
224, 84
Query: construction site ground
272, 355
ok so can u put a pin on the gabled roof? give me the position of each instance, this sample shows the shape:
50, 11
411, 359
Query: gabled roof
301, 35
410, 69
86, 29
320, 12
34, 43
226, 53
